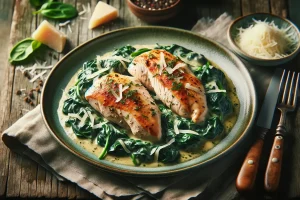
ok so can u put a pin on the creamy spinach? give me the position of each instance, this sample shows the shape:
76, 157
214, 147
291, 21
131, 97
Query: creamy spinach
108, 135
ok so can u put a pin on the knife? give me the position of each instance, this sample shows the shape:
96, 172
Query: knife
247, 175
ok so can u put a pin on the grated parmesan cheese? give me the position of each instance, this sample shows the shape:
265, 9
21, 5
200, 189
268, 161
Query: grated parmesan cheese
37, 76
179, 65
121, 90
93, 75
84, 117
92, 118
123, 145
99, 125
265, 40
176, 130
213, 87
195, 89
70, 29
189, 132
82, 12
156, 154
162, 62
64, 23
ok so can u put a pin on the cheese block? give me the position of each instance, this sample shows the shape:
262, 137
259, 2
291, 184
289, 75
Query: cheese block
48, 35
103, 13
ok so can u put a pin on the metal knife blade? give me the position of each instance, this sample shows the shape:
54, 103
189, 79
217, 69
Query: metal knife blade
267, 110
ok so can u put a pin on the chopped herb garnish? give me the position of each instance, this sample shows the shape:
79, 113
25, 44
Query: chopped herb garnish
151, 55
176, 86
153, 113
171, 63
145, 116
127, 116
155, 75
137, 108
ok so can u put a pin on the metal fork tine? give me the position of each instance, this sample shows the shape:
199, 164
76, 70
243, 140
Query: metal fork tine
285, 91
292, 90
281, 85
296, 91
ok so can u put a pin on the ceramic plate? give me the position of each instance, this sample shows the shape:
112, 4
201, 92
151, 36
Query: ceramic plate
227, 61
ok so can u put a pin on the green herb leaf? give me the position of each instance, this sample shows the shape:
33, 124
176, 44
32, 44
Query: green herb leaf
176, 86
23, 49
38, 3
139, 52
57, 10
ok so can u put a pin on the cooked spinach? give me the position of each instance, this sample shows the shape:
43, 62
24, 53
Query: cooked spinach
124, 51
57, 10
109, 135
23, 50
184, 53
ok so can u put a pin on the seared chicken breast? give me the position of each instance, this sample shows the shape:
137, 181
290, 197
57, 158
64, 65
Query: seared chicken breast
125, 101
173, 82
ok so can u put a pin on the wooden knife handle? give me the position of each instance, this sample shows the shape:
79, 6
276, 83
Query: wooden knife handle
247, 175
273, 171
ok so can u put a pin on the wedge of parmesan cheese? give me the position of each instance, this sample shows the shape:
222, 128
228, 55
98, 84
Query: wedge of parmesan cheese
48, 35
103, 13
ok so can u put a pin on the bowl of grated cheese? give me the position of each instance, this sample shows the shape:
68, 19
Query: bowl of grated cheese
264, 39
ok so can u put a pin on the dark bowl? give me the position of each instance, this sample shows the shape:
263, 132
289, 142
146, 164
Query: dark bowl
154, 16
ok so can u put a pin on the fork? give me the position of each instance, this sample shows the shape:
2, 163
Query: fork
286, 103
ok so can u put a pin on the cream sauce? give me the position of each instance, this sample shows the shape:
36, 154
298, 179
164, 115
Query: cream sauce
94, 148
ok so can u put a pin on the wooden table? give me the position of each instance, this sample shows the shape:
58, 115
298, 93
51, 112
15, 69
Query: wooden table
21, 177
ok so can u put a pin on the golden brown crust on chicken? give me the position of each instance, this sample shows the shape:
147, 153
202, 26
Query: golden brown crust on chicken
168, 76
136, 107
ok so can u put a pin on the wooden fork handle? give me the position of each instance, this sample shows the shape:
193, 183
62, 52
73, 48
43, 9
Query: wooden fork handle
247, 175
273, 171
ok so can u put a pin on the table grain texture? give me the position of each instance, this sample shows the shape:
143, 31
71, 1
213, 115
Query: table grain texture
22, 178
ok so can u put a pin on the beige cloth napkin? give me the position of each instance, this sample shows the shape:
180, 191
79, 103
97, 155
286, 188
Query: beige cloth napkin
30, 137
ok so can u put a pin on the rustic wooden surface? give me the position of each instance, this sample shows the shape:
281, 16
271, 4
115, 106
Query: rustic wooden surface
21, 177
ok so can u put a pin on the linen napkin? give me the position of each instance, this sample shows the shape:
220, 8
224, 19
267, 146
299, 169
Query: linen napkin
30, 137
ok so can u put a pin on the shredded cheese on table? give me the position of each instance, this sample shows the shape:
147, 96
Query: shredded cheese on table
38, 76
64, 23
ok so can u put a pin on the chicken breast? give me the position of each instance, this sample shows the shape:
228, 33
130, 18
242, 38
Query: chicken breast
173, 82
126, 102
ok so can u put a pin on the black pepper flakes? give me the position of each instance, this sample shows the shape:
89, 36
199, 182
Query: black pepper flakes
27, 100
18, 92
41, 83
31, 95
38, 89
154, 4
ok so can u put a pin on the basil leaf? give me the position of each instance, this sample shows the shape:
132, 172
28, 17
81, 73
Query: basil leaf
38, 3
57, 10
23, 49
